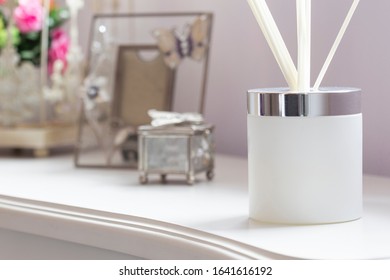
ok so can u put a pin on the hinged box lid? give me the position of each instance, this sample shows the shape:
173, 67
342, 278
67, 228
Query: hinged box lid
182, 129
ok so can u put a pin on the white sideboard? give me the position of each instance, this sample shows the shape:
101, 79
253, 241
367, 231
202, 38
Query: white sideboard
51, 210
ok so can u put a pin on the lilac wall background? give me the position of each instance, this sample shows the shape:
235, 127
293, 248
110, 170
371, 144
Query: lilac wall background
240, 60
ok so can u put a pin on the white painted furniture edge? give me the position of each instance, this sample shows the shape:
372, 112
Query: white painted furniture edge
135, 236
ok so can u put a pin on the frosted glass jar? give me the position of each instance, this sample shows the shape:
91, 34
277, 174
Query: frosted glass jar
305, 155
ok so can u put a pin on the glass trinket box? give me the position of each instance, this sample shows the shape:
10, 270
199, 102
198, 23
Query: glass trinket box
176, 149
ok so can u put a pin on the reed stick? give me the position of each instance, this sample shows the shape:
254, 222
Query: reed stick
304, 44
336, 44
275, 41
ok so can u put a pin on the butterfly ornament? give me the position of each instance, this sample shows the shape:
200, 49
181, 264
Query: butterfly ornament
192, 42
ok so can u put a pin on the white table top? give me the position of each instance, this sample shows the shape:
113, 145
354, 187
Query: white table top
213, 212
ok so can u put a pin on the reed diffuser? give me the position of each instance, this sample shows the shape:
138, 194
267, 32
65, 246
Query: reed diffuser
304, 142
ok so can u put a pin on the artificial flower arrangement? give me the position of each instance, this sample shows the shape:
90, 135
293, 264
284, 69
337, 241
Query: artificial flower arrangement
41, 69
28, 19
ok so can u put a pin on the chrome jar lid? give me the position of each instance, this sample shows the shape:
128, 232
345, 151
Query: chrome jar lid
327, 101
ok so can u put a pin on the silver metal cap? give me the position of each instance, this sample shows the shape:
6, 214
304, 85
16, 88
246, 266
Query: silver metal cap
329, 101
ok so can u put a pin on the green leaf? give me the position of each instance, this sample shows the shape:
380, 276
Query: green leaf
27, 55
3, 38
32, 35
58, 17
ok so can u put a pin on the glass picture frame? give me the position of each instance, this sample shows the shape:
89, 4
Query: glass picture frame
129, 72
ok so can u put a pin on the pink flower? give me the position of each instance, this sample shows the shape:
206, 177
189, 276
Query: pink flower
59, 48
28, 16
2, 2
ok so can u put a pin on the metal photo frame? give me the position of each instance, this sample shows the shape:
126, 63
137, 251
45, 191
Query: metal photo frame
122, 115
